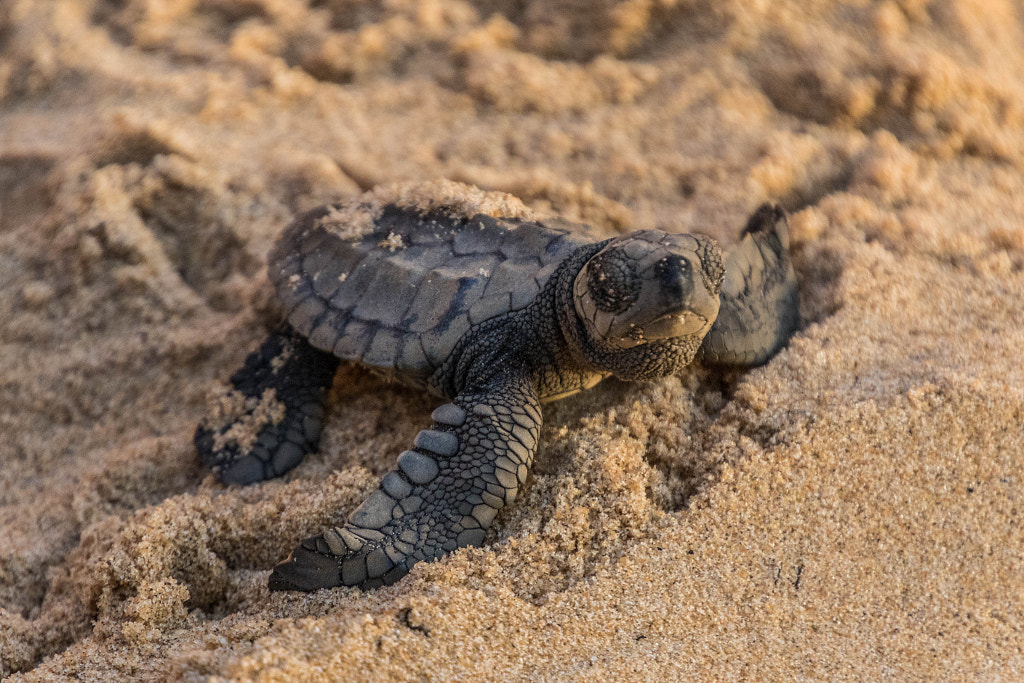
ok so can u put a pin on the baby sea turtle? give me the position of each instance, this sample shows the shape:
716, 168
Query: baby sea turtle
466, 295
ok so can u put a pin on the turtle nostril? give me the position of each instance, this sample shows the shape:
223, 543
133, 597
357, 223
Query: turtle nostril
675, 275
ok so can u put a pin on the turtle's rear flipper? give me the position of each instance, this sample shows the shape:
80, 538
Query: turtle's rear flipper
759, 308
272, 416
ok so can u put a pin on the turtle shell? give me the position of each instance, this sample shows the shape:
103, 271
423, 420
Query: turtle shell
401, 294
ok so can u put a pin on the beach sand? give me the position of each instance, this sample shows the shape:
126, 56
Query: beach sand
851, 511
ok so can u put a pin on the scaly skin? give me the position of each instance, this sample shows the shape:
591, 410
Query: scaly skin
443, 495
638, 307
286, 369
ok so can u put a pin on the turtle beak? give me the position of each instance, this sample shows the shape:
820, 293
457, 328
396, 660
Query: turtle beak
682, 324
692, 306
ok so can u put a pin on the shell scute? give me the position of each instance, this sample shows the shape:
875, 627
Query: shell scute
528, 239
413, 358
389, 295
353, 340
477, 236
328, 329
490, 307
431, 235
356, 282
431, 304
385, 348
402, 290
328, 277
439, 341
508, 274
555, 250
524, 293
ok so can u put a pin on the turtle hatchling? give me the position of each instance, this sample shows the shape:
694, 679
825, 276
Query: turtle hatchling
470, 296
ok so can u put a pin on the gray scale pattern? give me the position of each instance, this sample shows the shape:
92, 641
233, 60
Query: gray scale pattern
445, 493
445, 269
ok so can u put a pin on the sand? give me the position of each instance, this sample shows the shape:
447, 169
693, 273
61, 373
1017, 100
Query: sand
851, 511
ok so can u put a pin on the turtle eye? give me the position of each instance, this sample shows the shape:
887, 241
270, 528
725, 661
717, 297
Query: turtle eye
613, 283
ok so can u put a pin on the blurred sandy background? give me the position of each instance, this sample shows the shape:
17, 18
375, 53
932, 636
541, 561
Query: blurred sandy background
852, 511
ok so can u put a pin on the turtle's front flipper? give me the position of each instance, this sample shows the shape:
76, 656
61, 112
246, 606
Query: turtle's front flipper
759, 308
443, 495
271, 418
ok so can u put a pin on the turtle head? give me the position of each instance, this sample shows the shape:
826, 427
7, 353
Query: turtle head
649, 288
